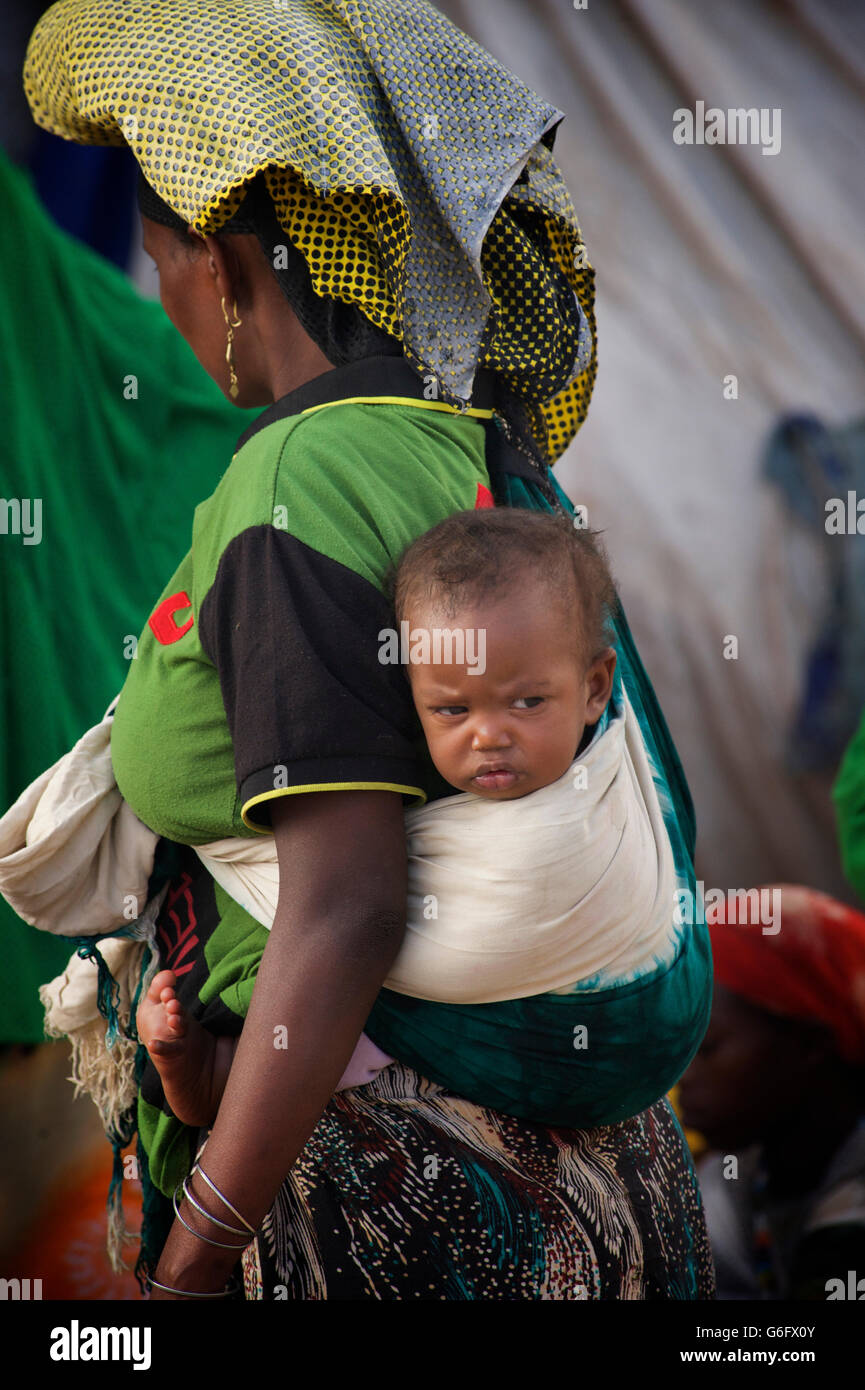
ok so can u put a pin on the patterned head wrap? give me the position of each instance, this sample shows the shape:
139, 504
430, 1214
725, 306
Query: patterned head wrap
341, 330
411, 171
812, 969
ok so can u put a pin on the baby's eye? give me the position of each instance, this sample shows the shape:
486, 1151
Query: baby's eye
450, 709
529, 701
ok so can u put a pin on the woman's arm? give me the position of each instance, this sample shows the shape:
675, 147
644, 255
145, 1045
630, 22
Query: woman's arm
339, 923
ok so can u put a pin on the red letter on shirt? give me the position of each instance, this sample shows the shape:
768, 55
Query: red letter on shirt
162, 623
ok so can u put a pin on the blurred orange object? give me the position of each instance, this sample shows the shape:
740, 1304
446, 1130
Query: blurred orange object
696, 1142
66, 1245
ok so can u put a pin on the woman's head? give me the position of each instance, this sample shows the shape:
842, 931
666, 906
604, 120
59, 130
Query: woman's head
198, 275
408, 170
281, 327
788, 1021
753, 1072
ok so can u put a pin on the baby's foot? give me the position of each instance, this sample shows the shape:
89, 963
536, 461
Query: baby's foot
193, 1063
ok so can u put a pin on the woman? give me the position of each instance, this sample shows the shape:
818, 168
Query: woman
335, 197
778, 1090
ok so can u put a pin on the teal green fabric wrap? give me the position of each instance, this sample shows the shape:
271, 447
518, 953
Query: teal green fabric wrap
523, 1056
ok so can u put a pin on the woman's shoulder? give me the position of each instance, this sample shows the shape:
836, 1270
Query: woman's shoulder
400, 449
356, 481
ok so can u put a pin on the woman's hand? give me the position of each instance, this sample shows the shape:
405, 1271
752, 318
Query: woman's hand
189, 1275
339, 923
186, 1263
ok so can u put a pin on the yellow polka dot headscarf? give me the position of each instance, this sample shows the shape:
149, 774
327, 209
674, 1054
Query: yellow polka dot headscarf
412, 170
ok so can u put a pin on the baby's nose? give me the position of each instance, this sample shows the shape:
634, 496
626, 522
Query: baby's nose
490, 734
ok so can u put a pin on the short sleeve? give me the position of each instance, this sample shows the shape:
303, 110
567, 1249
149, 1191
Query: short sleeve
294, 637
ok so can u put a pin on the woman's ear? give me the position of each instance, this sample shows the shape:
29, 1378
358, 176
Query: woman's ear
241, 271
222, 266
599, 684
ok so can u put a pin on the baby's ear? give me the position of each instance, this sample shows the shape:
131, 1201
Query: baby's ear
600, 681
605, 662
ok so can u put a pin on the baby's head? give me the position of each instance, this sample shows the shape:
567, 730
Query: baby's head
505, 612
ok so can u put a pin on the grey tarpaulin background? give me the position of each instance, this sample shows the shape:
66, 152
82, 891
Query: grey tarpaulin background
712, 260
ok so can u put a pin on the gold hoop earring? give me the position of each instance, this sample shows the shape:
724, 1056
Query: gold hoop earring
231, 324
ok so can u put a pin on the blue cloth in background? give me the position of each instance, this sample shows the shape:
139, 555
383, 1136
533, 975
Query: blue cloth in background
811, 464
90, 191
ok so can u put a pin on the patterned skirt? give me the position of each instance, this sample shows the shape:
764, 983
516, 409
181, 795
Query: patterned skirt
407, 1191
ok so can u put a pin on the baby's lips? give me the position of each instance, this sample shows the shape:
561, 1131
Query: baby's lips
496, 779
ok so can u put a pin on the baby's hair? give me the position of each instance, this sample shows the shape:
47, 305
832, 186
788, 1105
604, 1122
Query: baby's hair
479, 555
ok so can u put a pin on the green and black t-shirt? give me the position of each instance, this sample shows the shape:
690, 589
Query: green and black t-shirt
257, 673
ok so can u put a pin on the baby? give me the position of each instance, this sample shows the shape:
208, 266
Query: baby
531, 619
546, 926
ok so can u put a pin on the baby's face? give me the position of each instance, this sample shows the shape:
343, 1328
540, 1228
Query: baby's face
514, 726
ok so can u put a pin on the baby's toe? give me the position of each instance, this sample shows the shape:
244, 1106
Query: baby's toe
166, 979
176, 1019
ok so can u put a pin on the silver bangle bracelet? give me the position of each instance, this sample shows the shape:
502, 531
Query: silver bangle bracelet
224, 1200
236, 1230
229, 1289
223, 1244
